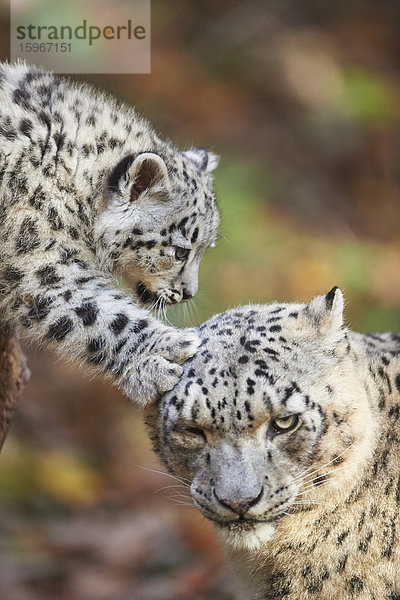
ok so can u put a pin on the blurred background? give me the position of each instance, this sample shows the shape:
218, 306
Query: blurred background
302, 101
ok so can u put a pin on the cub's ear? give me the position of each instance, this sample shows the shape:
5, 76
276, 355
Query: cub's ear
324, 316
204, 160
137, 175
147, 171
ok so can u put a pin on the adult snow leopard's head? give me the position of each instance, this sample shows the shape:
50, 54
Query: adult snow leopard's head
160, 218
268, 417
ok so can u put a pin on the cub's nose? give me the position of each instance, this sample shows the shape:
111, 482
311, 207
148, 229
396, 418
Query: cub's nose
240, 506
187, 295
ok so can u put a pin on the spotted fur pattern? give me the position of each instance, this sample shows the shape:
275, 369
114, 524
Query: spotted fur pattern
88, 189
287, 427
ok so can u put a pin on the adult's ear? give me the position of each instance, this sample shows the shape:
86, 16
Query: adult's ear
322, 319
136, 175
203, 159
326, 312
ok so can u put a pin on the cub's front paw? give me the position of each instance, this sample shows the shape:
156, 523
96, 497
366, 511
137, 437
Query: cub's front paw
159, 368
178, 345
152, 377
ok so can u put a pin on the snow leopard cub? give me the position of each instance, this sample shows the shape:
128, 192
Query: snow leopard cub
287, 427
88, 189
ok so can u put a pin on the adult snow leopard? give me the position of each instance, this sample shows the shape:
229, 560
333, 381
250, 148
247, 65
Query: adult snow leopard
88, 189
287, 427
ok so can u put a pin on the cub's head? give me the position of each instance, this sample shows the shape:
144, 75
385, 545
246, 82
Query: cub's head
160, 218
269, 417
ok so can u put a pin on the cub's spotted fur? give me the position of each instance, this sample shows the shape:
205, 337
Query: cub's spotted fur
88, 189
288, 427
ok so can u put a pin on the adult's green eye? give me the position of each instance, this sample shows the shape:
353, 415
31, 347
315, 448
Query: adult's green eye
181, 253
285, 423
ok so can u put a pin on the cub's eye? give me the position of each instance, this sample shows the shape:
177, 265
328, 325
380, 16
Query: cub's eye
181, 253
284, 424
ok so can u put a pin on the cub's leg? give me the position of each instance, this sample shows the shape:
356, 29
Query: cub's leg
85, 317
